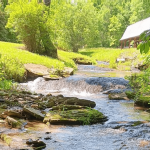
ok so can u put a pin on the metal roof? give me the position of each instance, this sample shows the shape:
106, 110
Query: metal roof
136, 29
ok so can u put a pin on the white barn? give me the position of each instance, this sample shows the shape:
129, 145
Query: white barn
133, 32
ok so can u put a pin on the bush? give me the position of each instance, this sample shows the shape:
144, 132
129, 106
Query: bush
29, 20
4, 84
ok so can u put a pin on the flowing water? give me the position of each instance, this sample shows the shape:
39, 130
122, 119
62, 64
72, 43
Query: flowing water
118, 133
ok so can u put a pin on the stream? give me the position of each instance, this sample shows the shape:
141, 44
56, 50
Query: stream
118, 133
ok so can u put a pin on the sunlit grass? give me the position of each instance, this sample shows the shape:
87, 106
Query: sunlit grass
14, 56
132, 56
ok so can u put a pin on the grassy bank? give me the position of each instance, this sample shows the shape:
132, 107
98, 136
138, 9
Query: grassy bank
132, 56
13, 58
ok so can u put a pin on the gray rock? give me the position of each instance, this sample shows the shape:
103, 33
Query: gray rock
34, 113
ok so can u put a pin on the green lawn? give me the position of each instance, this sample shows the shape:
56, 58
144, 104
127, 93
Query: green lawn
110, 55
13, 57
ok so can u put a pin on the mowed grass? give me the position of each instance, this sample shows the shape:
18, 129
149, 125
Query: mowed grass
133, 57
70, 58
13, 58
14, 51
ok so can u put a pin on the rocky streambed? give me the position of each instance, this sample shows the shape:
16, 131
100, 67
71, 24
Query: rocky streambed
74, 113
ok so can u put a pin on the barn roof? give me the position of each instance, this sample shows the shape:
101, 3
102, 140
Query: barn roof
136, 29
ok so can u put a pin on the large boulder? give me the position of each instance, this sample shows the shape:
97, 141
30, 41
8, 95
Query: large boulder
75, 116
34, 70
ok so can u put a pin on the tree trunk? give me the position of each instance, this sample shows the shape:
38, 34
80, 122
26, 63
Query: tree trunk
49, 48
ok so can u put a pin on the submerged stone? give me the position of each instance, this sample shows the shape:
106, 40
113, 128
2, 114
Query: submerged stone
118, 96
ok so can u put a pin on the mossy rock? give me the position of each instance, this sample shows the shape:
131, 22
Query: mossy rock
76, 116
130, 94
136, 123
3, 106
82, 61
14, 123
67, 107
7, 139
76, 101
117, 96
143, 101
33, 113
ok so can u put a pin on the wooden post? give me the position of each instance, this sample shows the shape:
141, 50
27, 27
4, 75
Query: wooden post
129, 42
125, 43
135, 44
121, 45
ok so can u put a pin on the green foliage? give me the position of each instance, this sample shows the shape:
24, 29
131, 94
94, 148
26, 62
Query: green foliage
4, 84
3, 31
70, 58
132, 56
71, 25
14, 56
29, 20
75, 25
145, 44
140, 84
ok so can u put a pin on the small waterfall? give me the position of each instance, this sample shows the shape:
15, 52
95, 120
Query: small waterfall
76, 84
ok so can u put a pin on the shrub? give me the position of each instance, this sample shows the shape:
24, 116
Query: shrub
29, 20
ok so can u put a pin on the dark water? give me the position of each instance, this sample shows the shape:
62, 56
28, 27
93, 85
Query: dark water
118, 133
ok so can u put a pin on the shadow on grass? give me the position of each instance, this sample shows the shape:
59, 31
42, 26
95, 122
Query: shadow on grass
86, 53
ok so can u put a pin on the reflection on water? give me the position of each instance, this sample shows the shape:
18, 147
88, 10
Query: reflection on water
140, 113
120, 74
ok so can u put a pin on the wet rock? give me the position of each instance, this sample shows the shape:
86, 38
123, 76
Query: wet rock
35, 106
82, 61
37, 144
116, 91
29, 141
48, 138
78, 116
13, 122
52, 77
50, 104
7, 139
119, 96
47, 132
3, 106
34, 113
67, 107
81, 102
2, 99
67, 71
11, 113
3, 93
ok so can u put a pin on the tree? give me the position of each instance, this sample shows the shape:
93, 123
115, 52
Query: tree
3, 31
29, 21
75, 25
